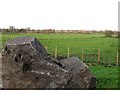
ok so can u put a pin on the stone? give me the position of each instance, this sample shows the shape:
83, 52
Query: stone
25, 64
81, 76
26, 45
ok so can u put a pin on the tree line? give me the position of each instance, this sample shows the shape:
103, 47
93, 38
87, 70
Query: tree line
108, 33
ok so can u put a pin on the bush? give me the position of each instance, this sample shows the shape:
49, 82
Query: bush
108, 33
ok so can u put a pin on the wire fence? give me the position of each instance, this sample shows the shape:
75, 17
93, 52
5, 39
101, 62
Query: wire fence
94, 56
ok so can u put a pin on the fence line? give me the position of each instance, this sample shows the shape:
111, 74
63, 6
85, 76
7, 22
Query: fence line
82, 55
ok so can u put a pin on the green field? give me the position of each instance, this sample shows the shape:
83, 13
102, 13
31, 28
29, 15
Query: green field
76, 42
90, 43
107, 77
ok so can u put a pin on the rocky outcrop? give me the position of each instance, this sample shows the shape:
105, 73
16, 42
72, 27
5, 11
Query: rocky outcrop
25, 64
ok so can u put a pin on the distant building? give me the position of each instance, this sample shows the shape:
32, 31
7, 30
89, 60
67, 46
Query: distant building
27, 28
11, 27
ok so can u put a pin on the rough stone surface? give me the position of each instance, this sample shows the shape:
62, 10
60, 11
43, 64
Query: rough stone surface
25, 64
81, 77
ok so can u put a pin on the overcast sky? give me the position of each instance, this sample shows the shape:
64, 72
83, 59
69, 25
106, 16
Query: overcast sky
59, 14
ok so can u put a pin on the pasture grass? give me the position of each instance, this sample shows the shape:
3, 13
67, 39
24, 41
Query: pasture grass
107, 77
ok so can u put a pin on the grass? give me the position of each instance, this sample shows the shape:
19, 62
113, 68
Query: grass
107, 76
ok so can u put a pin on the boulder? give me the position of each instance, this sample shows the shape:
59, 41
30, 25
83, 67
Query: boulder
81, 76
25, 64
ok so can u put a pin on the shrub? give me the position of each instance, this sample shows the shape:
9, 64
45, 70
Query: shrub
108, 33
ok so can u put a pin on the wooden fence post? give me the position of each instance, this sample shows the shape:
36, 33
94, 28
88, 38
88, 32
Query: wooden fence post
68, 52
5, 38
82, 55
98, 56
117, 59
46, 48
56, 53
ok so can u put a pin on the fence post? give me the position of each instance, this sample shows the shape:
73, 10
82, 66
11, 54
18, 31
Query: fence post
82, 55
56, 52
98, 56
117, 59
68, 52
5, 38
46, 48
